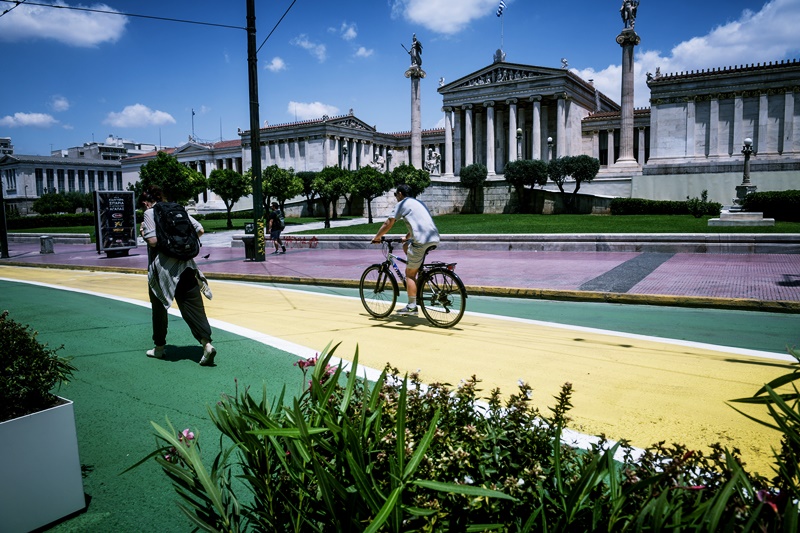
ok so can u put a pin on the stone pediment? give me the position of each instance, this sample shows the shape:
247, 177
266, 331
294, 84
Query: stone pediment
501, 73
191, 147
351, 122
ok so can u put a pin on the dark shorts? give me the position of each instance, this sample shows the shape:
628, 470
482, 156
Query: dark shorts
275, 234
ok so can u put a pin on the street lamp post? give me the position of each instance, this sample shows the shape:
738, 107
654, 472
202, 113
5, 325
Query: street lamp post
549, 148
746, 187
519, 144
3, 226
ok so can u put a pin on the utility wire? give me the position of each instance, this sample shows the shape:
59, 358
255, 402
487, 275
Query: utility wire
122, 14
276, 26
16, 5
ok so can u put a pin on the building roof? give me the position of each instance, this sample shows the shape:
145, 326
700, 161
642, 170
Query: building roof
771, 66
56, 160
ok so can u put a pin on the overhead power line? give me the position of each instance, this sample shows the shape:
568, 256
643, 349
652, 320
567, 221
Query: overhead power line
74, 8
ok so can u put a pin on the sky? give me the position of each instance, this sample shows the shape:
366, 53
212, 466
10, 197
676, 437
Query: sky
75, 76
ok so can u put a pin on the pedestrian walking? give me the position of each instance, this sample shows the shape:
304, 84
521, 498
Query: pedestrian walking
276, 224
172, 275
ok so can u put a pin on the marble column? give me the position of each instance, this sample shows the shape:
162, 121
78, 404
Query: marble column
490, 137
457, 136
641, 145
480, 131
469, 158
267, 154
628, 39
415, 73
690, 127
653, 129
611, 159
738, 123
326, 148
788, 122
713, 127
297, 159
448, 143
763, 146
596, 144
512, 129
536, 128
500, 158
561, 119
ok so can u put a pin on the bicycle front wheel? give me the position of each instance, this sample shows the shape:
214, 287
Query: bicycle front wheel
442, 297
378, 291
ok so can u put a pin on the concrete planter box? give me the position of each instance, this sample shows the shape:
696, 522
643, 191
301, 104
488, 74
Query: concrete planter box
40, 469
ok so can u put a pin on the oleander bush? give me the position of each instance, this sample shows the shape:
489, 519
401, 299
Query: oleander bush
29, 371
51, 221
780, 205
397, 455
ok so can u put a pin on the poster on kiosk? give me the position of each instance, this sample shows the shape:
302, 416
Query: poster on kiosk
115, 222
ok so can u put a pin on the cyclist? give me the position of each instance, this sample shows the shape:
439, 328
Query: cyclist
422, 234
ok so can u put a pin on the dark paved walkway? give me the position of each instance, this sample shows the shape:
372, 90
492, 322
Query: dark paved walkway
743, 281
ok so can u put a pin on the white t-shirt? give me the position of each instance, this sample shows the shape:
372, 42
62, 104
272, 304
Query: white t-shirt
418, 220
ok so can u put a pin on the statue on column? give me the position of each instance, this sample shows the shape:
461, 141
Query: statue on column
416, 52
628, 12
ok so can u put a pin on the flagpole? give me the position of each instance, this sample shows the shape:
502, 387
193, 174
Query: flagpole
502, 26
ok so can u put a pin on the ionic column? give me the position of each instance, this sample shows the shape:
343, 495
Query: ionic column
611, 159
457, 140
690, 126
498, 133
477, 123
326, 148
448, 143
490, 137
628, 39
561, 117
641, 145
738, 121
713, 127
267, 154
788, 122
653, 129
469, 158
536, 128
596, 144
297, 159
763, 146
512, 129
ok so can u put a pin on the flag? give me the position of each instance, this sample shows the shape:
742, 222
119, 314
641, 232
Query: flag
500, 8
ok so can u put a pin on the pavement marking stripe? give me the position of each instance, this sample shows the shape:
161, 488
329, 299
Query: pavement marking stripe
625, 387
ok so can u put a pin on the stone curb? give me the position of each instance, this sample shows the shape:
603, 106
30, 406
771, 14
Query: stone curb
707, 302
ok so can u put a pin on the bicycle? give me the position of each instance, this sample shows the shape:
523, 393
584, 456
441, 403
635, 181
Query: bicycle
440, 292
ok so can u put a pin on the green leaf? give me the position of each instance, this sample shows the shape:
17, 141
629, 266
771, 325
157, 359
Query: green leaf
467, 490
385, 512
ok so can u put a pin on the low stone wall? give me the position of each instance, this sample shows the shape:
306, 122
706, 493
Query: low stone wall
58, 238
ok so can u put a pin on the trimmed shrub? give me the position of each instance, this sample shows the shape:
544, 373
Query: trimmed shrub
640, 206
780, 205
51, 221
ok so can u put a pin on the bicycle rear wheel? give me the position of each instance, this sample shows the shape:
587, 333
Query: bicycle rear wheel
442, 297
378, 291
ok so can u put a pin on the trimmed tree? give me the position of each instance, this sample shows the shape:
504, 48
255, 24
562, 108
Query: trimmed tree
369, 183
307, 178
280, 183
473, 177
230, 186
581, 168
178, 182
525, 173
416, 178
328, 185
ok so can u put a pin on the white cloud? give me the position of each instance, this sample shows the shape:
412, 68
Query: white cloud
317, 50
443, 16
310, 110
138, 115
59, 103
768, 35
21, 120
276, 65
348, 31
73, 28
364, 52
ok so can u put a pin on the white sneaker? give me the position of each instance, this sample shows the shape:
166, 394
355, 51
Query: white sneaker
156, 353
407, 311
209, 352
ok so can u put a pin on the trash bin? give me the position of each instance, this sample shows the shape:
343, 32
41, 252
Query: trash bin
249, 242
46, 244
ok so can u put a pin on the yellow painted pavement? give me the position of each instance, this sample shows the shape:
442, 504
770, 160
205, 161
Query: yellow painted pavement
638, 389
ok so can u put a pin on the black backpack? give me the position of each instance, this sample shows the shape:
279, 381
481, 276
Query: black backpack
175, 233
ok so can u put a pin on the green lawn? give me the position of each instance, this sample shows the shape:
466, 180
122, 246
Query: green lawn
481, 224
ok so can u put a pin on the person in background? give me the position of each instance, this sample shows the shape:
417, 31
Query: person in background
171, 279
276, 227
422, 234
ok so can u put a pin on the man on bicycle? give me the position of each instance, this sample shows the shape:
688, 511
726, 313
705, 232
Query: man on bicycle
422, 234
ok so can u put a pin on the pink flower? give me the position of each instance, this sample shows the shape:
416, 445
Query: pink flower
186, 434
765, 497
307, 363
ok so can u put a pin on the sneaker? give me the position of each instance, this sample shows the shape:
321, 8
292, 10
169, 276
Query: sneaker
206, 290
275, 252
408, 311
208, 355
156, 353
283, 249
283, 252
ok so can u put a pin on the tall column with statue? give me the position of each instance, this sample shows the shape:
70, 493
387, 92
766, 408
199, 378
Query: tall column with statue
416, 73
628, 39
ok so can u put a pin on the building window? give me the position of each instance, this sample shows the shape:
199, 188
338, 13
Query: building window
11, 180
101, 180
51, 181
82, 181
91, 181
119, 180
71, 180
60, 174
39, 181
